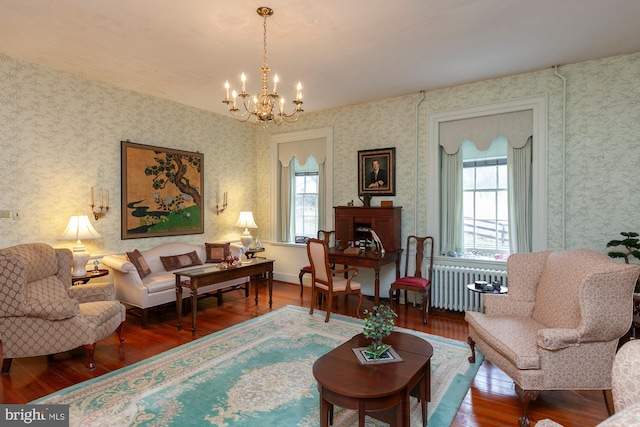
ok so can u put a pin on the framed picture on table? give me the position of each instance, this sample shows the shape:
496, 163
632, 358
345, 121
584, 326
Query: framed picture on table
377, 172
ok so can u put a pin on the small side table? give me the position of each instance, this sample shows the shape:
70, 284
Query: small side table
472, 287
76, 280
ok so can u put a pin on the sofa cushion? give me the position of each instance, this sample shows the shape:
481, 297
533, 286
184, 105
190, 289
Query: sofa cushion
54, 309
174, 262
512, 336
139, 263
216, 252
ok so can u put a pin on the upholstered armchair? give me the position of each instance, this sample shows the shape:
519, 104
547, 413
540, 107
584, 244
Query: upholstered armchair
558, 326
41, 313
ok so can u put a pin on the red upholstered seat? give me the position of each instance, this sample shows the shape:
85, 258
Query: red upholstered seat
415, 283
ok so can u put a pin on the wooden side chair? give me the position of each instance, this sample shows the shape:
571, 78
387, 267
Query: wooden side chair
322, 235
416, 283
324, 279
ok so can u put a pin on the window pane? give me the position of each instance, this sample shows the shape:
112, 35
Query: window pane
468, 205
486, 205
311, 184
486, 176
502, 177
468, 178
503, 206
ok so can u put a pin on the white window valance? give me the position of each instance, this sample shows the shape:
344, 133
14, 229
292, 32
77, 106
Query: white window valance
301, 150
517, 127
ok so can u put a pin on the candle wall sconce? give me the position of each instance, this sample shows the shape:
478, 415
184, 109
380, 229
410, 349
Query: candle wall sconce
224, 204
104, 204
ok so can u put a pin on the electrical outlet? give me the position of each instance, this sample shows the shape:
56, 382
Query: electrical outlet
5, 213
16, 215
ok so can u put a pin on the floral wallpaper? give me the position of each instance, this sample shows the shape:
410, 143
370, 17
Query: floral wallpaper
61, 135
602, 146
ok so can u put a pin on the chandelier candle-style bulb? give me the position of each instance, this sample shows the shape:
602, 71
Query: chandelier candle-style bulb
265, 106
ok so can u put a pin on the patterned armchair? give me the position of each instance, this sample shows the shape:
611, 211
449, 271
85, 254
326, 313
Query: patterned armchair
558, 326
41, 313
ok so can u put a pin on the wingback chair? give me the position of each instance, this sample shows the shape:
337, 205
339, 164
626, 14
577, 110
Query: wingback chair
558, 326
42, 313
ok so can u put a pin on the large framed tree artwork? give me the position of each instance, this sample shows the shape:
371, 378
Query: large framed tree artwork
162, 191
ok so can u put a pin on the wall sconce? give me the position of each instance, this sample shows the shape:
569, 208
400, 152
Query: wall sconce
104, 204
224, 204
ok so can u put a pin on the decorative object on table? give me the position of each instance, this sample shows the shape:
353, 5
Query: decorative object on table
79, 228
216, 252
104, 204
245, 220
162, 191
365, 199
377, 172
377, 241
96, 263
258, 245
378, 324
266, 106
230, 261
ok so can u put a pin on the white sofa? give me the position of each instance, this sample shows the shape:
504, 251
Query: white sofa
159, 287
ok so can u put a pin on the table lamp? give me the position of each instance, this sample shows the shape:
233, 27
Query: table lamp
79, 228
245, 220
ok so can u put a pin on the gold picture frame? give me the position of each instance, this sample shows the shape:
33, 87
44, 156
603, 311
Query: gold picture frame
162, 191
380, 181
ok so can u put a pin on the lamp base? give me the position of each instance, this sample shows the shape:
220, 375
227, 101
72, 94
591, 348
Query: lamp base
79, 263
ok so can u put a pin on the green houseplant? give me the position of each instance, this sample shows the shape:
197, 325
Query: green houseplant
378, 324
631, 243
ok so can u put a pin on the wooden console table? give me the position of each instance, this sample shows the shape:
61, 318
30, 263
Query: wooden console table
367, 259
209, 275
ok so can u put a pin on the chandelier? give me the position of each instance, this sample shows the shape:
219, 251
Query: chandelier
266, 106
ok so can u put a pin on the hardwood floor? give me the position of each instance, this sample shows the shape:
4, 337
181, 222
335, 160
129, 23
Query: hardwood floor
491, 401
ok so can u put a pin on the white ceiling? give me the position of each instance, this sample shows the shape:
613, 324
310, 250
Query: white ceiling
344, 51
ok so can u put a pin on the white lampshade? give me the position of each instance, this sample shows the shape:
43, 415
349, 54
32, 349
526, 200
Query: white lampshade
79, 228
245, 220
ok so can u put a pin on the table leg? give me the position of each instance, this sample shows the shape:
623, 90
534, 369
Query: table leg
179, 301
194, 304
270, 273
256, 285
324, 411
376, 286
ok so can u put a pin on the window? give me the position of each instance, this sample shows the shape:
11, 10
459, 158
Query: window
306, 199
485, 204
526, 171
301, 199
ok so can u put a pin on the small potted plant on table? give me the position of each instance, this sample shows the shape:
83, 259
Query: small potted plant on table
378, 324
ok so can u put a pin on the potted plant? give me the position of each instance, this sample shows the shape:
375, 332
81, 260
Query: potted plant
378, 324
631, 243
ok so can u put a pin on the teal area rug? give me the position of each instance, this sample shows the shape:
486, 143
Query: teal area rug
256, 373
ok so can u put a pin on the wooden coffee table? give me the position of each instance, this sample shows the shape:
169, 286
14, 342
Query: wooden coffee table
381, 391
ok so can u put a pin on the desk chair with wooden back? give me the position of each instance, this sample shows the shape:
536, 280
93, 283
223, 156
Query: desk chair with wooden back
324, 279
416, 283
322, 235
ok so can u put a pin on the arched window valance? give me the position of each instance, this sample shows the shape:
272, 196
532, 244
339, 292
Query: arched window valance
301, 150
517, 127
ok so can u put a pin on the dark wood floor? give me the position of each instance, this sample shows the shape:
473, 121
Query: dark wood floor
491, 401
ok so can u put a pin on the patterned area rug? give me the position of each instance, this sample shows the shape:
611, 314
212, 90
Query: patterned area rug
257, 373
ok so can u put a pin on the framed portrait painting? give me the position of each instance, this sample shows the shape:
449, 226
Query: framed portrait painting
162, 191
377, 172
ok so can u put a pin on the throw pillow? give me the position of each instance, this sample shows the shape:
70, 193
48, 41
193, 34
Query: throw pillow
216, 252
179, 261
139, 263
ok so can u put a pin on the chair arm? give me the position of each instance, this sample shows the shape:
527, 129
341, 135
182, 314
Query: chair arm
557, 339
91, 292
119, 263
506, 305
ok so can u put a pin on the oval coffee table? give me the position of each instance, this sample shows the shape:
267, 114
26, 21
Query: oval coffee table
380, 390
